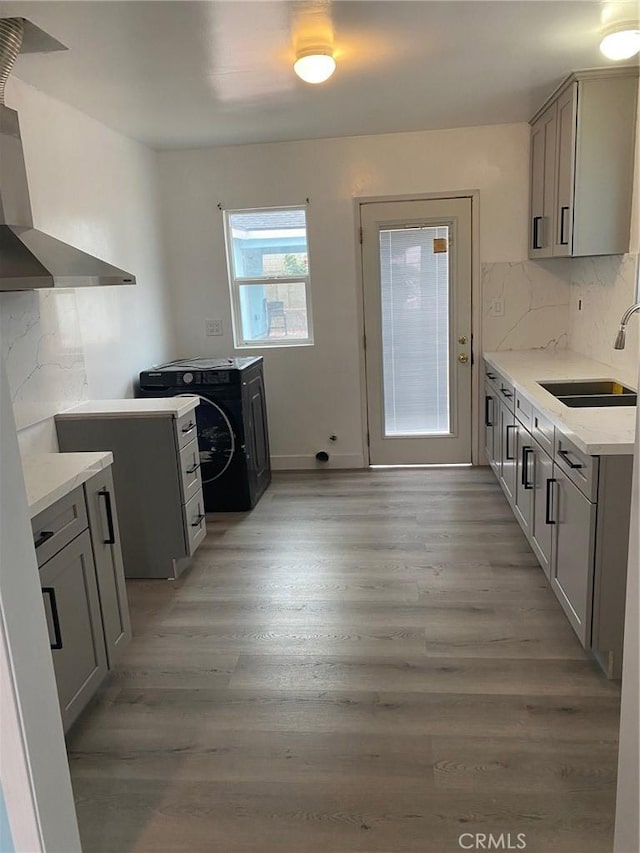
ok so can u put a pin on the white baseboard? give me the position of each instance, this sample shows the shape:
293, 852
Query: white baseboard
303, 462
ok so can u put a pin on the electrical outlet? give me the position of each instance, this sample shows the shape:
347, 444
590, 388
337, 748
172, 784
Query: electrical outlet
497, 307
213, 327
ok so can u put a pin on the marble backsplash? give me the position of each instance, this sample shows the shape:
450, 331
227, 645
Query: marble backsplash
43, 352
535, 301
572, 303
601, 290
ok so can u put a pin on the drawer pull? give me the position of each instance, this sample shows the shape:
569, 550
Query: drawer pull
198, 521
50, 591
44, 537
491, 375
189, 427
508, 455
547, 518
526, 453
506, 393
193, 468
104, 493
565, 455
536, 232
487, 401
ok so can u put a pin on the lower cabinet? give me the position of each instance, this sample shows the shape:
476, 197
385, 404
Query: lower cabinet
541, 523
105, 537
574, 530
574, 510
72, 608
83, 588
508, 448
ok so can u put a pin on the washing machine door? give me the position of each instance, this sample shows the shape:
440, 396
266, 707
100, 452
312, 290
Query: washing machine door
216, 439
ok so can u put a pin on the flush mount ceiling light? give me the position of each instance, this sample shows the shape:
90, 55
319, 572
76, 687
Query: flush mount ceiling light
315, 65
621, 42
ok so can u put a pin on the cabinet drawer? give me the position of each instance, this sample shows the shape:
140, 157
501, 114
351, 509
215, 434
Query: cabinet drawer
186, 428
190, 476
56, 526
492, 376
524, 410
579, 468
542, 430
194, 521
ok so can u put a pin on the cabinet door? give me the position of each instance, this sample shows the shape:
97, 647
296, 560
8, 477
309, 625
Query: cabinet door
508, 445
565, 159
573, 554
107, 552
543, 182
542, 523
72, 608
523, 494
490, 424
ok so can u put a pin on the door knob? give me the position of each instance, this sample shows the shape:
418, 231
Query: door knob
463, 358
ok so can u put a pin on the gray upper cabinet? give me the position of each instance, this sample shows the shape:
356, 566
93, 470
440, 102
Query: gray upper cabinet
105, 539
582, 159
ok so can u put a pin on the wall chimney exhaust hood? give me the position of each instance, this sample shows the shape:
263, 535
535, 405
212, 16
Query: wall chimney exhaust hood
29, 258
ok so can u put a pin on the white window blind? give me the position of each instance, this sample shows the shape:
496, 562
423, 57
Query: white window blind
415, 331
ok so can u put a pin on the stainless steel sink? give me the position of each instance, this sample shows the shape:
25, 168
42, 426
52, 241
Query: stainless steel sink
583, 394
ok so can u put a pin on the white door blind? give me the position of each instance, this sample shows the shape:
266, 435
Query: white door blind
415, 331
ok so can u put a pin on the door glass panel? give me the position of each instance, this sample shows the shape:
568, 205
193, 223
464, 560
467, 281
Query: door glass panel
414, 275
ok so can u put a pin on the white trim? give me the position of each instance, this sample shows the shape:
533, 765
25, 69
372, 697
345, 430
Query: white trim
305, 462
235, 283
476, 308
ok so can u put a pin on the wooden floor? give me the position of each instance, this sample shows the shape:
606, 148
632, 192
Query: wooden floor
369, 661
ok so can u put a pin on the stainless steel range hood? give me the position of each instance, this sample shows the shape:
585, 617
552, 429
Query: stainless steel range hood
29, 258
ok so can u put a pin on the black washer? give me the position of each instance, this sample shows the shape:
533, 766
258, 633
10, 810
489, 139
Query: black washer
233, 437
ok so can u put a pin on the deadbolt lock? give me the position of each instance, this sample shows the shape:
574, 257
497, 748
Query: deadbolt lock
462, 340
463, 358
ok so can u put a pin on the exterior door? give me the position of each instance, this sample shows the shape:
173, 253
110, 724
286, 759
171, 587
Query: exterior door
416, 258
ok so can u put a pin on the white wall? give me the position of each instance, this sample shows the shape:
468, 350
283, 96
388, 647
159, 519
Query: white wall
315, 391
98, 190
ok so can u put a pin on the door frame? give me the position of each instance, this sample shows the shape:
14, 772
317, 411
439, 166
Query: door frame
476, 306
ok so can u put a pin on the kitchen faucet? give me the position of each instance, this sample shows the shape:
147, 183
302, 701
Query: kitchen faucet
622, 332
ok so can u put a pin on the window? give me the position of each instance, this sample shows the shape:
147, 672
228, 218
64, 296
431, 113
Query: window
268, 262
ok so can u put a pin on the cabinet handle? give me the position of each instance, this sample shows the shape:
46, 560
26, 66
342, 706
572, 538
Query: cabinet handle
506, 393
526, 452
190, 426
44, 536
507, 454
490, 375
50, 591
487, 401
565, 455
547, 515
536, 232
193, 468
563, 241
104, 493
198, 521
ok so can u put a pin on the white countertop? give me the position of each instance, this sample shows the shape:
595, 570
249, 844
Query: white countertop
601, 431
50, 476
135, 408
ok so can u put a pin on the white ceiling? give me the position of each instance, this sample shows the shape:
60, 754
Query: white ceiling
179, 74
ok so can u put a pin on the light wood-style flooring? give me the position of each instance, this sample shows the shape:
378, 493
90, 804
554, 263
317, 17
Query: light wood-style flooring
368, 661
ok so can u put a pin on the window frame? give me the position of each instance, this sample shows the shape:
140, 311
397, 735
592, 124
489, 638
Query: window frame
236, 283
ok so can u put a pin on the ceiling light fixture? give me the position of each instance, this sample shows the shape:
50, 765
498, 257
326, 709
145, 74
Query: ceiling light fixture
315, 66
621, 42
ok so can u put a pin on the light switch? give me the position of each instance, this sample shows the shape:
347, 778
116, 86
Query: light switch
213, 327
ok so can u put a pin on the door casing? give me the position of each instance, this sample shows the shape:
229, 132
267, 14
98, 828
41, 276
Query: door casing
476, 314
